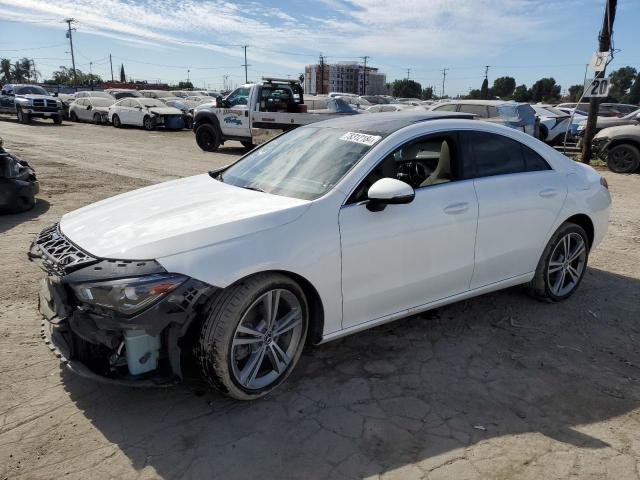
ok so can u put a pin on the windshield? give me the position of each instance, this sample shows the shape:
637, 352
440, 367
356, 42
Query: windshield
151, 102
160, 94
304, 163
31, 89
100, 94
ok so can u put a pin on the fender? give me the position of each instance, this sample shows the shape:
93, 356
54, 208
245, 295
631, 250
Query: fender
206, 115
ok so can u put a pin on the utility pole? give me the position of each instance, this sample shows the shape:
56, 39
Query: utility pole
73, 59
486, 72
35, 72
321, 74
604, 40
111, 63
364, 77
245, 65
188, 75
408, 73
444, 77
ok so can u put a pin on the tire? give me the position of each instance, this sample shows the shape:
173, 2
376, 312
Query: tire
556, 278
248, 145
147, 123
241, 364
73, 117
97, 119
623, 158
57, 120
115, 120
23, 117
544, 133
22, 204
208, 137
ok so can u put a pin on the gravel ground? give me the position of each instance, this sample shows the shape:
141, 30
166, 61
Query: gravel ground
501, 386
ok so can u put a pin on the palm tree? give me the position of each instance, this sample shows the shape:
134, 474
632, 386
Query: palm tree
18, 73
5, 70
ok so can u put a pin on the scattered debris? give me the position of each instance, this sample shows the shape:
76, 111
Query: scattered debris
480, 427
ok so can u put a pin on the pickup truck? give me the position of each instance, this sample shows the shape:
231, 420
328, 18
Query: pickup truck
254, 113
29, 101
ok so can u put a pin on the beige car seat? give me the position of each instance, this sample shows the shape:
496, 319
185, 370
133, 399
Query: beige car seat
442, 173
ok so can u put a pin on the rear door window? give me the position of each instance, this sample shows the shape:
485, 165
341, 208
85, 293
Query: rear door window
446, 108
480, 110
494, 154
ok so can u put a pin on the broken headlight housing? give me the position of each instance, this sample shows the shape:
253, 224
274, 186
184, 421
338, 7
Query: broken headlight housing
128, 295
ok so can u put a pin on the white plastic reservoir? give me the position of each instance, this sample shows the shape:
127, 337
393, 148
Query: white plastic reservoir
142, 351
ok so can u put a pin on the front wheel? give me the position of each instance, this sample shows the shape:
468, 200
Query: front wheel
97, 119
253, 335
208, 137
623, 159
23, 117
248, 145
57, 120
147, 123
562, 264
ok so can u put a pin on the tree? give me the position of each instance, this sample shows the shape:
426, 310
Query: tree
64, 76
406, 88
474, 94
5, 70
484, 90
522, 93
427, 93
545, 90
575, 92
634, 91
503, 87
621, 81
123, 77
185, 86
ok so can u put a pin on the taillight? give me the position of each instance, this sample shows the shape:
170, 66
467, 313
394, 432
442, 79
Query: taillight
604, 183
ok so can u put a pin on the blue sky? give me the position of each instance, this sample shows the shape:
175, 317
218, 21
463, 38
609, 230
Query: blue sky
155, 39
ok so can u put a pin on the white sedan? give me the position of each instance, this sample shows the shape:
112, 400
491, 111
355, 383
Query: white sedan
144, 112
322, 232
90, 109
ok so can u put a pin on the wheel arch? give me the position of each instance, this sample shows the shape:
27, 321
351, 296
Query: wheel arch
586, 223
624, 141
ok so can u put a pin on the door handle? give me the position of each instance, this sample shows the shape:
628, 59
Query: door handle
548, 192
456, 208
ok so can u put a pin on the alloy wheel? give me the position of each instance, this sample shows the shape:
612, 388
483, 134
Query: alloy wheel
567, 264
266, 339
622, 160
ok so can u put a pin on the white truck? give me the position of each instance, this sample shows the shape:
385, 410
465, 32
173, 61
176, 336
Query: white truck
256, 112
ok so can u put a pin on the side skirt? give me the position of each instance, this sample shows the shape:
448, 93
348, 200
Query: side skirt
511, 282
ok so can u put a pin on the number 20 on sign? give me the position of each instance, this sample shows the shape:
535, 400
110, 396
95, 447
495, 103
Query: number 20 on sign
596, 87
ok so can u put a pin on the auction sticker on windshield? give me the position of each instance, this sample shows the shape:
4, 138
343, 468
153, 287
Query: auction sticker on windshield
362, 138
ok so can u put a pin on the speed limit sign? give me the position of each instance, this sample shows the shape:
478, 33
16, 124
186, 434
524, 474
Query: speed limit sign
596, 87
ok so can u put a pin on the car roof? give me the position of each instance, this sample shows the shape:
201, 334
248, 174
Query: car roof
476, 102
385, 123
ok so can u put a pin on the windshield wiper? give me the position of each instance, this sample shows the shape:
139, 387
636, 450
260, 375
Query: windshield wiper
255, 189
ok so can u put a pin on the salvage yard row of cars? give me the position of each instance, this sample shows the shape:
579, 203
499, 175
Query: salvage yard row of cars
254, 113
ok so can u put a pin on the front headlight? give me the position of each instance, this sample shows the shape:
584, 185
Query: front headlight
128, 295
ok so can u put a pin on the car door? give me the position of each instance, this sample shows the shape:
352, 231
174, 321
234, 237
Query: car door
235, 114
519, 197
408, 255
135, 112
81, 109
7, 99
120, 109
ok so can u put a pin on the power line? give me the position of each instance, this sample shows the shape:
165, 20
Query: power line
32, 48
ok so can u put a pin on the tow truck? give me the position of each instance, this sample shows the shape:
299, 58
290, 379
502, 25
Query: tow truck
254, 113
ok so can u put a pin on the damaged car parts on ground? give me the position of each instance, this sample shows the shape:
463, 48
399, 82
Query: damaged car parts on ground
322, 232
18, 183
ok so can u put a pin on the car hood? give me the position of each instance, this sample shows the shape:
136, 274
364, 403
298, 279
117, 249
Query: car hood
620, 131
33, 96
165, 111
174, 217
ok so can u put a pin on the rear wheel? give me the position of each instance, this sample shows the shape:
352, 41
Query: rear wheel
253, 335
73, 117
562, 265
148, 123
97, 119
208, 137
623, 159
115, 120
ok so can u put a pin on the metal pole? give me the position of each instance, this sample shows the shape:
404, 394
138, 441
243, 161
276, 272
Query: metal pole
604, 40
111, 63
246, 75
73, 60
444, 77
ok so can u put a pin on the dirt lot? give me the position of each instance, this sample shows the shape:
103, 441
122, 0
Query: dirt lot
500, 386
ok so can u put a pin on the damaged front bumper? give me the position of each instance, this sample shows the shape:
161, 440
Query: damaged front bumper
142, 349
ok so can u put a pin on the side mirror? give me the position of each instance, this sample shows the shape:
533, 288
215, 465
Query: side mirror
389, 191
88, 107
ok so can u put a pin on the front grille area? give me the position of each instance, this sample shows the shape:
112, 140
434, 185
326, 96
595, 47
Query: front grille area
44, 105
58, 254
